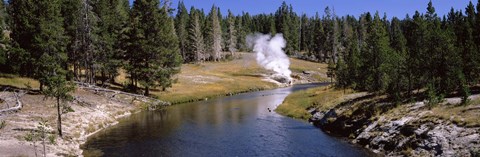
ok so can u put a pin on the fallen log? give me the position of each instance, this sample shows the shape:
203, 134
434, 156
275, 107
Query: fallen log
97, 89
18, 106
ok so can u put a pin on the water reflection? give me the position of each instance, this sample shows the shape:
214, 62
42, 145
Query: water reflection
240, 125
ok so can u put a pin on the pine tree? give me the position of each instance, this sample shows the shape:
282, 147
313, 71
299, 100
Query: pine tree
477, 28
283, 23
4, 40
181, 23
328, 26
271, 24
112, 16
23, 25
195, 38
294, 34
87, 41
71, 15
232, 34
379, 62
335, 39
439, 58
50, 40
170, 57
416, 40
214, 34
469, 54
304, 36
247, 23
153, 54
398, 43
341, 72
59, 88
241, 34
318, 38
347, 65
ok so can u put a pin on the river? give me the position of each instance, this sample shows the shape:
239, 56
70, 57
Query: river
239, 125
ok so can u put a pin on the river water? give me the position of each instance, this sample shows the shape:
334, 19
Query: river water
239, 125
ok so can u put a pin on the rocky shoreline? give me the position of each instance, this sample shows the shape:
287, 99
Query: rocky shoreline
391, 130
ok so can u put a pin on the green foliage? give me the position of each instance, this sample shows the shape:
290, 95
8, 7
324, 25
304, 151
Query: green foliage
41, 134
398, 57
3, 123
475, 152
23, 26
152, 46
331, 70
196, 43
96, 38
231, 34
181, 24
113, 16
433, 97
213, 36
288, 23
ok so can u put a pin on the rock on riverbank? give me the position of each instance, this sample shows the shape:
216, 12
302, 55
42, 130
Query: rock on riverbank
401, 130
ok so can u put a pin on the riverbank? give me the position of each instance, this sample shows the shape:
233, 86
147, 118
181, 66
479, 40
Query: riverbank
89, 112
94, 110
390, 129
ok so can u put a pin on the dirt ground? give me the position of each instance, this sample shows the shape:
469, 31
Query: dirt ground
93, 111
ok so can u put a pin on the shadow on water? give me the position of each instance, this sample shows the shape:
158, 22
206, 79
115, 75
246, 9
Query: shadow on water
239, 125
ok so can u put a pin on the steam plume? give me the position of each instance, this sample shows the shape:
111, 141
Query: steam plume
270, 54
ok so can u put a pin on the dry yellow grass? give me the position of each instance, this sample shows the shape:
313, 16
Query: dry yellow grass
320, 70
467, 115
322, 98
18, 82
207, 80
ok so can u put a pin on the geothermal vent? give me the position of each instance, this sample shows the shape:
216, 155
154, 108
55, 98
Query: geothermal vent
270, 55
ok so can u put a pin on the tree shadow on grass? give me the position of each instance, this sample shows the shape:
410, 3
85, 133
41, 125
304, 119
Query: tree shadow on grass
10, 88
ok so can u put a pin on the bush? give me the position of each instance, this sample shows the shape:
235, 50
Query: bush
3, 124
475, 152
433, 96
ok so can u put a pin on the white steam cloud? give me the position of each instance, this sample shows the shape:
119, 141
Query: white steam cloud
270, 55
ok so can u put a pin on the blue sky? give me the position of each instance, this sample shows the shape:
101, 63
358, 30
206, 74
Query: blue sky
397, 8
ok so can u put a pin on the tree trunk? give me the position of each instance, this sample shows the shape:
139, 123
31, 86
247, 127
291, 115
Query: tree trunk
41, 86
147, 92
75, 74
43, 143
59, 114
35, 147
103, 78
92, 80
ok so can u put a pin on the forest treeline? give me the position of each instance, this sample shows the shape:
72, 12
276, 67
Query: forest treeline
90, 40
436, 56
